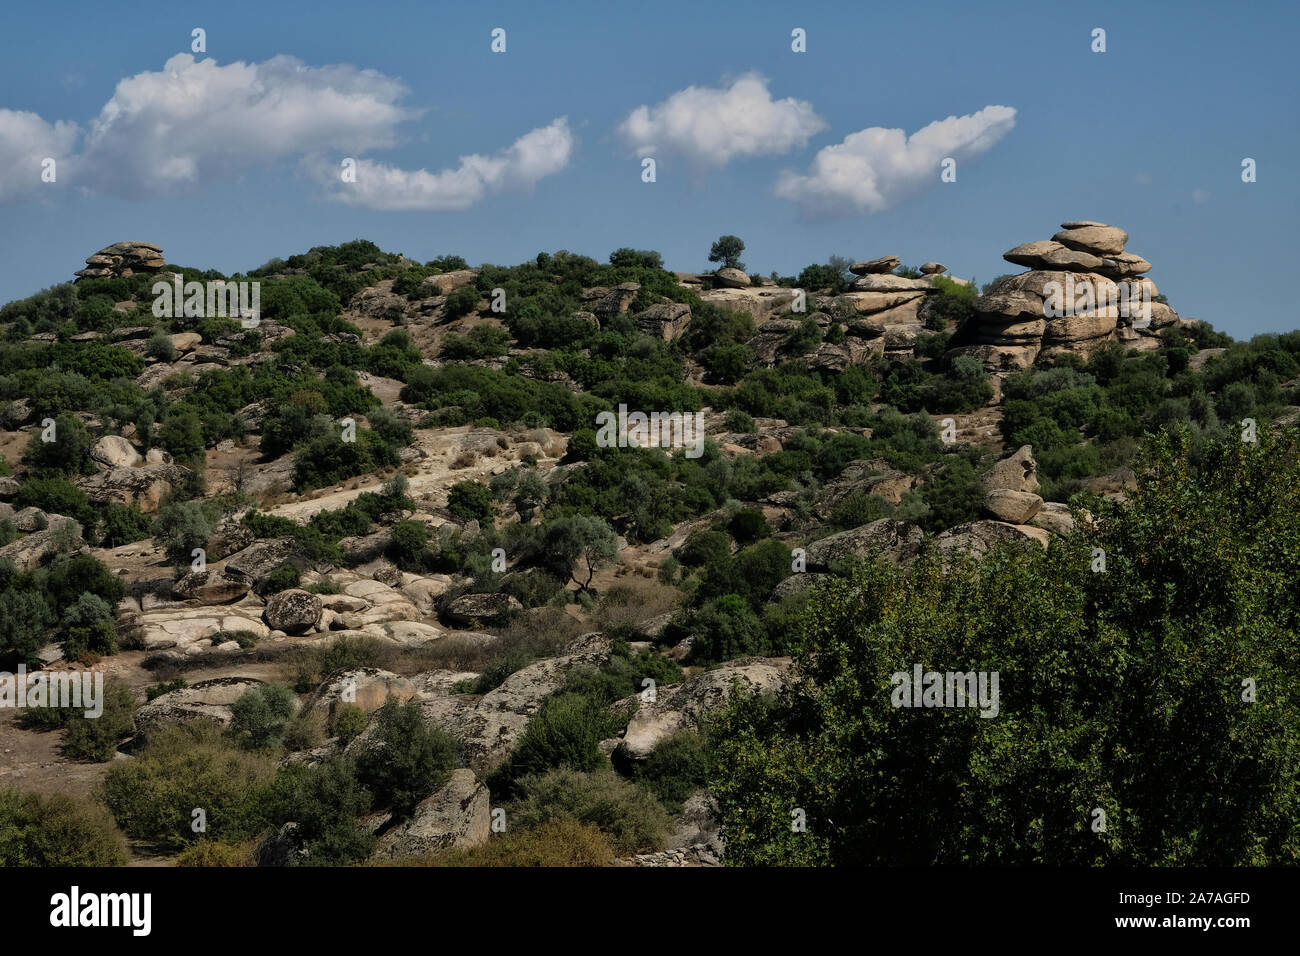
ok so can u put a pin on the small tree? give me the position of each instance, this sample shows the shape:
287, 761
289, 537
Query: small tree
410, 758
727, 250
181, 528
470, 500
579, 538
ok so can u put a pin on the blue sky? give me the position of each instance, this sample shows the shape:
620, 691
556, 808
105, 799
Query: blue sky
1149, 135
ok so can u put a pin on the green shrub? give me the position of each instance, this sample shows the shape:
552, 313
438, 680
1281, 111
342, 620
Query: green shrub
124, 524
160, 347
349, 721
97, 738
408, 760
55, 495
626, 812
261, 716
181, 527
324, 802
676, 768
181, 768
566, 733
471, 501
557, 843
283, 578
48, 831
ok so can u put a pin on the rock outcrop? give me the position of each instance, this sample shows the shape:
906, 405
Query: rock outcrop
459, 816
680, 708
123, 259
1083, 289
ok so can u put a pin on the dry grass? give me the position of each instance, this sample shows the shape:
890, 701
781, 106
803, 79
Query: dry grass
633, 600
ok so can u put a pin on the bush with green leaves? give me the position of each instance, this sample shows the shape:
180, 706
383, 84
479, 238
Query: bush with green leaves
408, 758
626, 812
66, 452
576, 546
56, 495
348, 721
323, 801
676, 768
261, 715
180, 528
183, 767
124, 524
49, 831
565, 733
1121, 690
471, 501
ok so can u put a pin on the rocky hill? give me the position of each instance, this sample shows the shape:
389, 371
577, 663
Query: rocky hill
369, 535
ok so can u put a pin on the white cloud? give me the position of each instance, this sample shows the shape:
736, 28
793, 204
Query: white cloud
196, 121
25, 141
534, 156
873, 169
712, 126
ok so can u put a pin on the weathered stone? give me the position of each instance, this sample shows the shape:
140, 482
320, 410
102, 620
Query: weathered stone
1017, 472
680, 708
895, 541
459, 816
293, 611
469, 609
1098, 239
875, 266
889, 283
1014, 507
114, 451
211, 587
206, 700
732, 279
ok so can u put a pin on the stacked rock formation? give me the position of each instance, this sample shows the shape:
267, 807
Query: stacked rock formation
888, 307
1013, 323
123, 259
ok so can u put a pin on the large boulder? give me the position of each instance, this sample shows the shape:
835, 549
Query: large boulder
666, 321
879, 266
896, 541
469, 609
293, 611
260, 559
205, 700
1054, 517
732, 279
122, 260
1014, 507
30, 552
890, 283
143, 487
114, 451
489, 726
459, 816
1017, 472
978, 538
1094, 237
211, 587
366, 687
680, 708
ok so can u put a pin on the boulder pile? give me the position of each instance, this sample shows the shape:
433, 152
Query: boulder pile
1103, 289
123, 259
